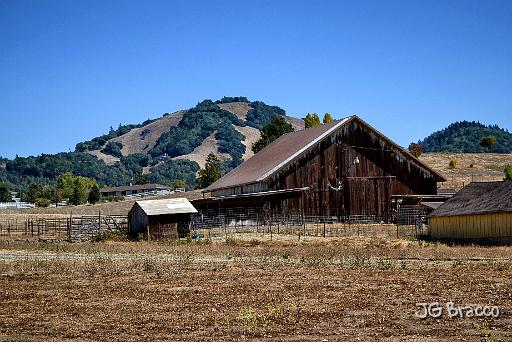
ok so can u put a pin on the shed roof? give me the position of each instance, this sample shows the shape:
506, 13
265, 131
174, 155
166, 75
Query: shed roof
285, 149
478, 198
166, 206
135, 187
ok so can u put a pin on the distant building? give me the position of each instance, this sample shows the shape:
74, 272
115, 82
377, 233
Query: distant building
480, 211
133, 190
161, 219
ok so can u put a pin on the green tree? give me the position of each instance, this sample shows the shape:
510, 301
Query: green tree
65, 184
312, 120
179, 184
508, 173
488, 141
277, 127
316, 120
35, 191
210, 173
327, 118
5, 193
140, 179
94, 194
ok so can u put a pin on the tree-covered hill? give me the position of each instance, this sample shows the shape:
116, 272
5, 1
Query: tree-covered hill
465, 137
179, 138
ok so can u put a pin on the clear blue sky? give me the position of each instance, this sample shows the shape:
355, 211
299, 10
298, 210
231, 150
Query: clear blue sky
71, 69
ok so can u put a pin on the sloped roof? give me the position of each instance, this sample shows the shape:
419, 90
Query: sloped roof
478, 198
166, 206
285, 149
275, 155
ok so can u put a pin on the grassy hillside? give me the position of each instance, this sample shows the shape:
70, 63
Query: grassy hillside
465, 137
477, 167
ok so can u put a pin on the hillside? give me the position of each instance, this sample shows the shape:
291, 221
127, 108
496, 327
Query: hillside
171, 147
471, 167
464, 137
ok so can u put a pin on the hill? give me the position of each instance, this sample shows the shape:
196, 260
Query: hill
471, 167
464, 136
171, 147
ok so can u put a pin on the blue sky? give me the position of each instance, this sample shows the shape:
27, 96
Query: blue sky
71, 69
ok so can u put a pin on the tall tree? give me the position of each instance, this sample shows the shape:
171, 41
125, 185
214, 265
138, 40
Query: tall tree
210, 173
5, 193
316, 120
308, 121
327, 118
277, 127
94, 194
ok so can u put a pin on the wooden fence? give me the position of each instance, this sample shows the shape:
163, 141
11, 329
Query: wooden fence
73, 228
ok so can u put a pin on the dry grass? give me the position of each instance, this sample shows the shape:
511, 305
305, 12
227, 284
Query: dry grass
141, 140
343, 289
240, 109
486, 167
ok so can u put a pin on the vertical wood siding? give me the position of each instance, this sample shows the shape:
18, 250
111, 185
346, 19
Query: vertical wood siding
496, 226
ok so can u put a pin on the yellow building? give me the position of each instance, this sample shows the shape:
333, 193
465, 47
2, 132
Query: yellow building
480, 211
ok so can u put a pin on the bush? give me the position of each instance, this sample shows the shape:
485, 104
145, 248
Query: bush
454, 163
508, 172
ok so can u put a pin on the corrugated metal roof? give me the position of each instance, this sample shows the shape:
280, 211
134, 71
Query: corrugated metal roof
135, 187
167, 206
478, 198
285, 149
276, 155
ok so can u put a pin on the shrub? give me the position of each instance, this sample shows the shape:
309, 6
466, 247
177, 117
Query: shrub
508, 172
454, 163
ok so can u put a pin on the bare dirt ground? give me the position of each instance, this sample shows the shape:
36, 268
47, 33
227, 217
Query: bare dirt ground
240, 109
141, 140
486, 167
352, 289
108, 159
251, 135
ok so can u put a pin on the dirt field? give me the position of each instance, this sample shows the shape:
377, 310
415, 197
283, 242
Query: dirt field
227, 289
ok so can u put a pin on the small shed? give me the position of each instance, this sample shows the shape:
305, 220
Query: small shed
161, 219
480, 211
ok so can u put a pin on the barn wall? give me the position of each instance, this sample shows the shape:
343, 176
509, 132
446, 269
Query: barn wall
169, 226
485, 226
138, 220
383, 170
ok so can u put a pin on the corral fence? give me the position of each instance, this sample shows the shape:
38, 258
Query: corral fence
218, 222
72, 228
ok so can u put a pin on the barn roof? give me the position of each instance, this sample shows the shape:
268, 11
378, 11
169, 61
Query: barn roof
166, 206
478, 198
285, 149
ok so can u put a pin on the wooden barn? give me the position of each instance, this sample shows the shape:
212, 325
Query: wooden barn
162, 218
343, 168
480, 211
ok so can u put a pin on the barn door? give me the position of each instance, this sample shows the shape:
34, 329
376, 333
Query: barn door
368, 196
